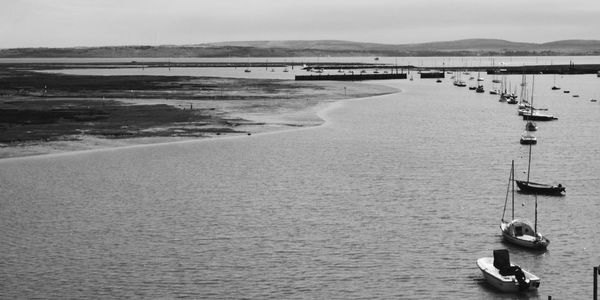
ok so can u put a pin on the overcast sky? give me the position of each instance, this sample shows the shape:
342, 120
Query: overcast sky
66, 23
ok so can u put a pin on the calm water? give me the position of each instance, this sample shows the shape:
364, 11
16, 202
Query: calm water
460, 61
394, 197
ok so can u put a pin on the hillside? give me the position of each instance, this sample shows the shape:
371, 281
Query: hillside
297, 48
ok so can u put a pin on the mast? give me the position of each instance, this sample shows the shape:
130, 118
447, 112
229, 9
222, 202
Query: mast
535, 224
512, 175
529, 164
531, 114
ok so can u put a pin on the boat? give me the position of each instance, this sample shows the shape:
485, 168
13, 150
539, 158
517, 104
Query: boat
494, 91
438, 81
460, 83
530, 126
520, 231
500, 273
534, 115
247, 70
528, 139
540, 188
529, 187
479, 89
554, 87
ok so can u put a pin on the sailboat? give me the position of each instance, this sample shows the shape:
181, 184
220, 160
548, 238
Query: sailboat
529, 187
554, 87
247, 70
479, 88
536, 116
519, 231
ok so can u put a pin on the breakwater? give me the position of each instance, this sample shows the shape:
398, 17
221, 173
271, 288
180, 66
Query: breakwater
352, 77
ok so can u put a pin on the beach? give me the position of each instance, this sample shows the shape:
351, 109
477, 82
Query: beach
45, 113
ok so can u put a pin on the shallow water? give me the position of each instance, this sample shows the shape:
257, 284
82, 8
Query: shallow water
394, 197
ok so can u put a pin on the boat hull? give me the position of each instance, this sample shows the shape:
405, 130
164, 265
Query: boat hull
528, 141
538, 117
506, 284
540, 188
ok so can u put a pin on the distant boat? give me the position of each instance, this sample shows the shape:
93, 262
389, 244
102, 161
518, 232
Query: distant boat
500, 273
247, 70
530, 126
528, 139
518, 231
479, 89
494, 92
438, 81
537, 116
533, 115
554, 87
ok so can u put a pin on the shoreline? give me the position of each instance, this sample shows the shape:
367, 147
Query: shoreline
325, 107
243, 107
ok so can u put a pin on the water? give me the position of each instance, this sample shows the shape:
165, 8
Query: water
454, 61
394, 197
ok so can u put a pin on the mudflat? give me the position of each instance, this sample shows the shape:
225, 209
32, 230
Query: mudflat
47, 112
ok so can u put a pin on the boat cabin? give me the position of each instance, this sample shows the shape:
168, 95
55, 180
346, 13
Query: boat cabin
520, 227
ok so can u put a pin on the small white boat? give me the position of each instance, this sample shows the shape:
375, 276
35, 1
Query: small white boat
528, 139
514, 279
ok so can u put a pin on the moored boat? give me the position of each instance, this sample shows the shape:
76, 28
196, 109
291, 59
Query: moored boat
530, 126
519, 231
505, 276
528, 139
540, 188
537, 116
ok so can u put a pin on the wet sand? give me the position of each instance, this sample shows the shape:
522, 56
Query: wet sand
44, 113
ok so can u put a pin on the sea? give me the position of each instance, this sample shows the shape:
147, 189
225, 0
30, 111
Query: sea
392, 197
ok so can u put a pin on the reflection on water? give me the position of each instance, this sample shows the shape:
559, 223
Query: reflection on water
395, 197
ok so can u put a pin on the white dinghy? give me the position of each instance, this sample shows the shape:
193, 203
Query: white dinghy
504, 276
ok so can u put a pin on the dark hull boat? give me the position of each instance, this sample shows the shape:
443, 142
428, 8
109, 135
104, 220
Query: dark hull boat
538, 117
540, 188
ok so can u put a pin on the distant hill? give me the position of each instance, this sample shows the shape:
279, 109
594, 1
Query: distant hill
295, 48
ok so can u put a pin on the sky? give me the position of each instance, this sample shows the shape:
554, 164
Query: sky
74, 23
